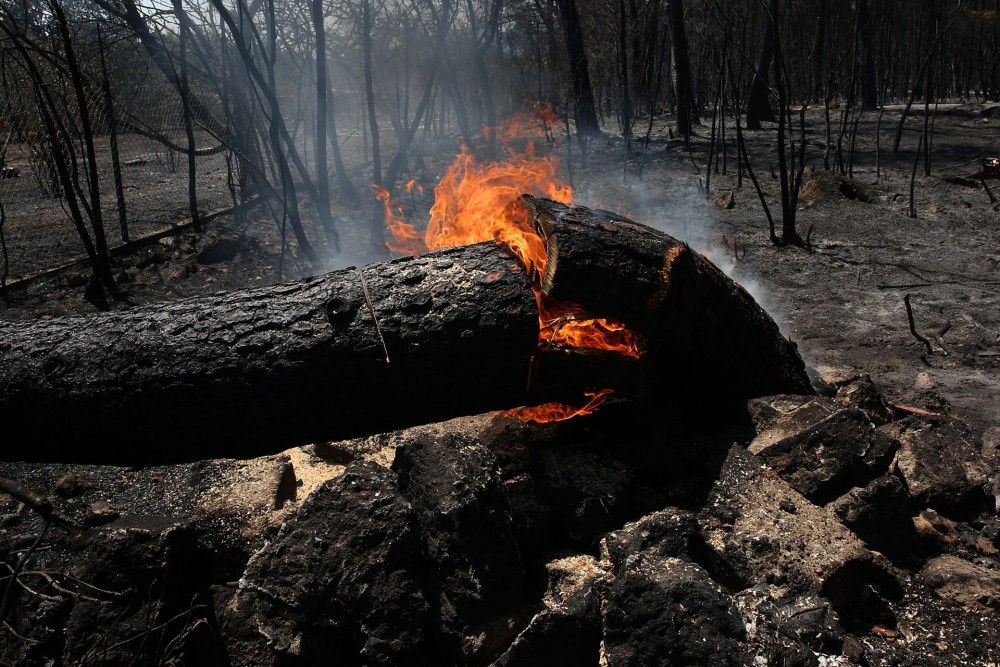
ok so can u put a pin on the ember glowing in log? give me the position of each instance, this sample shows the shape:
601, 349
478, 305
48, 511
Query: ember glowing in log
567, 324
558, 412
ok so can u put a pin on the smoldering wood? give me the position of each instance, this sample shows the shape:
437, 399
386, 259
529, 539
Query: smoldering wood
704, 331
253, 371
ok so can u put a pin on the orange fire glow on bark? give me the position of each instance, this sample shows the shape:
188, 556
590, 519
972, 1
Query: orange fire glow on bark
471, 205
558, 412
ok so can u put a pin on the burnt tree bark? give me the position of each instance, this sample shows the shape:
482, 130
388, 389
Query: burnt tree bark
686, 109
758, 99
184, 87
584, 110
322, 111
111, 118
248, 372
706, 336
866, 57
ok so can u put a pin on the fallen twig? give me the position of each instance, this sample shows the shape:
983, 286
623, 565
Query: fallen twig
913, 326
916, 411
904, 286
38, 504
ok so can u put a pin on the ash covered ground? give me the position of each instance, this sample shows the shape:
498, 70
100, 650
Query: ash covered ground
600, 580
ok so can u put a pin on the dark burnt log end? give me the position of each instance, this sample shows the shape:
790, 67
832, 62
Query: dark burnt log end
705, 334
253, 371
566, 374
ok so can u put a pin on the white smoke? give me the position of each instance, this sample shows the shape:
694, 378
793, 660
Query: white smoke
673, 202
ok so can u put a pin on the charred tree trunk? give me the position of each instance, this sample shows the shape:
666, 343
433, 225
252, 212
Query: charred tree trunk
866, 57
86, 127
626, 96
366, 29
686, 110
184, 87
376, 238
583, 95
322, 113
354, 352
112, 120
700, 325
758, 99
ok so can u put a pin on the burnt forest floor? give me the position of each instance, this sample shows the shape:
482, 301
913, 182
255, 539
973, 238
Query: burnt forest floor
842, 302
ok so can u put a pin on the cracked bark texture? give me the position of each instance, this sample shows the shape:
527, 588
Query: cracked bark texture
706, 335
254, 371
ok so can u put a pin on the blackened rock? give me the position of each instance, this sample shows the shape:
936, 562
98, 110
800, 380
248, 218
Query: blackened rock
879, 514
148, 600
567, 631
670, 612
659, 535
960, 581
842, 451
785, 630
341, 583
555, 637
940, 465
748, 540
811, 620
991, 531
785, 415
220, 250
465, 517
588, 489
72, 485
861, 393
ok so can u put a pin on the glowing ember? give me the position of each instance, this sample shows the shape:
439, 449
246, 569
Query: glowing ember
558, 412
566, 324
594, 334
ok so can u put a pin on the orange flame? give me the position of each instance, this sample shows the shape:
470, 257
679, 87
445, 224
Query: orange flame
471, 205
558, 412
594, 334
567, 324
405, 239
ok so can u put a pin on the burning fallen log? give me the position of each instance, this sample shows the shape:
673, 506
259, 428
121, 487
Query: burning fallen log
243, 373
701, 325
399, 343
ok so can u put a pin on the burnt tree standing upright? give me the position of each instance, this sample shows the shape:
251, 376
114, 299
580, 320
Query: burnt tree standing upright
583, 94
185, 89
322, 114
687, 113
626, 103
869, 89
111, 118
758, 99
375, 228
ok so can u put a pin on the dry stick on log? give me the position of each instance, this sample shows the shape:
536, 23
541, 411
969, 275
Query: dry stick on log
913, 326
38, 504
700, 325
247, 372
